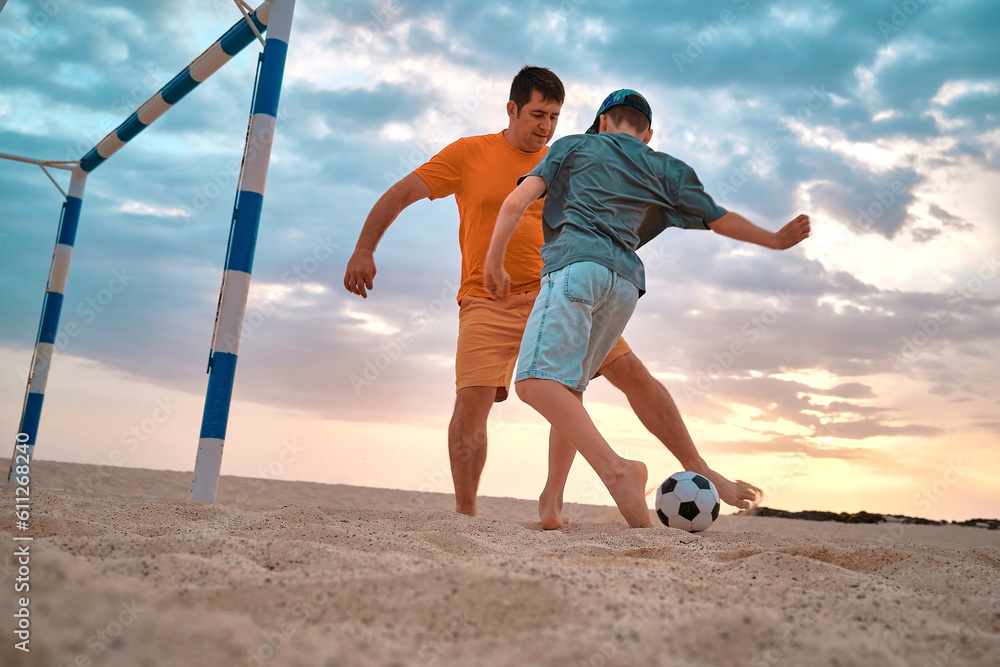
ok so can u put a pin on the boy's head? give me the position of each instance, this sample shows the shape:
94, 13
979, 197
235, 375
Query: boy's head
536, 97
624, 111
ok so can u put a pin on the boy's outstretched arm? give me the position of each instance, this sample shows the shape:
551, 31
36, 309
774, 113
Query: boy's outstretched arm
735, 226
496, 280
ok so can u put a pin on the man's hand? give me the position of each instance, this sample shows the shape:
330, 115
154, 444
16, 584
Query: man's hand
360, 274
496, 280
792, 233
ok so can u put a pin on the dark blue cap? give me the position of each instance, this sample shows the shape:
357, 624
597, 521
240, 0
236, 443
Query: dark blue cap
620, 97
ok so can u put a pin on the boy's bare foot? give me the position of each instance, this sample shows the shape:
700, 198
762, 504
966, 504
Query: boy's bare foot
550, 511
738, 494
627, 485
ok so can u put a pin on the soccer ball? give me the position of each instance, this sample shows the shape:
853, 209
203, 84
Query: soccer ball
688, 501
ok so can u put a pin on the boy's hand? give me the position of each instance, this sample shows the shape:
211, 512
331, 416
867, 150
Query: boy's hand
496, 280
360, 273
792, 233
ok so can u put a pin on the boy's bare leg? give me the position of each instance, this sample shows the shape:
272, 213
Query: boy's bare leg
467, 444
625, 479
657, 411
561, 455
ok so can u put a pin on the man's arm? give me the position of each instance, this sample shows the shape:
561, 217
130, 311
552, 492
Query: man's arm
496, 280
360, 274
735, 226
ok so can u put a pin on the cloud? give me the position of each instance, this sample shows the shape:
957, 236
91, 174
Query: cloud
787, 444
140, 208
869, 428
949, 220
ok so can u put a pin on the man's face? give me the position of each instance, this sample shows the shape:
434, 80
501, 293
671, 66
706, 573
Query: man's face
532, 127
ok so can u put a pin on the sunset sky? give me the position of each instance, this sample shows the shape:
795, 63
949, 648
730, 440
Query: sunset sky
856, 371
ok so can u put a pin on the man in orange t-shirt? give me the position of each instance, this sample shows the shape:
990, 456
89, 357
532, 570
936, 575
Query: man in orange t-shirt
481, 171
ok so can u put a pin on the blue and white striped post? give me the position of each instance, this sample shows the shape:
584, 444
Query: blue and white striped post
202, 67
239, 263
210, 61
45, 342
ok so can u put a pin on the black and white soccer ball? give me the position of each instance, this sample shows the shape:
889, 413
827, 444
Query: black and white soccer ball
688, 501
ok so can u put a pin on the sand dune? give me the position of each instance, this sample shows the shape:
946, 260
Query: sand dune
126, 572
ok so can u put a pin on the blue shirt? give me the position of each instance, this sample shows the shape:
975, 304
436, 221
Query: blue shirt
609, 194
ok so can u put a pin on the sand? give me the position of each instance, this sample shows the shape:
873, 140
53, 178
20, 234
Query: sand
127, 572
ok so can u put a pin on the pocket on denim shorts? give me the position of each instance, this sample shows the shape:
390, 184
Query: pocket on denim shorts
586, 282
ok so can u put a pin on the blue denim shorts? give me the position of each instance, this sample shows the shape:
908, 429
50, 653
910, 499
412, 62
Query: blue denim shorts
580, 312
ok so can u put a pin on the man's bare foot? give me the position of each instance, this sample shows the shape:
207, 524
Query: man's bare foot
550, 511
466, 510
738, 494
627, 484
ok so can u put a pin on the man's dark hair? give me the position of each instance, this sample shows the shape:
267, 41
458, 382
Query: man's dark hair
541, 79
624, 114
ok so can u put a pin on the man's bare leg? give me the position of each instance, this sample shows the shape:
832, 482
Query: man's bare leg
625, 479
550, 503
657, 411
467, 444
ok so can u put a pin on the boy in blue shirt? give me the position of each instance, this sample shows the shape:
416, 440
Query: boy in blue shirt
606, 194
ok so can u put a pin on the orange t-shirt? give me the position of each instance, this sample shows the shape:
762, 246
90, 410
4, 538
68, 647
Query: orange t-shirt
481, 171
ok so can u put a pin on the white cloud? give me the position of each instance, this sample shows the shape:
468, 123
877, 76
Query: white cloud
953, 90
371, 323
142, 208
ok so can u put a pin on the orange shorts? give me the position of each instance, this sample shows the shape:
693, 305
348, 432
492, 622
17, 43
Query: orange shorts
489, 338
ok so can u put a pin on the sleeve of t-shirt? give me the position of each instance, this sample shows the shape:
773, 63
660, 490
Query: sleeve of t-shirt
693, 209
696, 207
443, 172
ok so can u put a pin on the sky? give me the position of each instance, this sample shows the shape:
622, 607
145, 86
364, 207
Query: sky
857, 371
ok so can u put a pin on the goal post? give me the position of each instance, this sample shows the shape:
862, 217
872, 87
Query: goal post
239, 260
233, 41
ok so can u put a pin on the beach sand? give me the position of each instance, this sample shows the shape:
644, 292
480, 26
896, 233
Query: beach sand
124, 571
